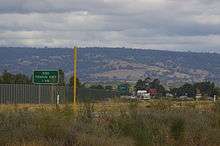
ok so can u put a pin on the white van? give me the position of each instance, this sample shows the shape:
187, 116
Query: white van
142, 94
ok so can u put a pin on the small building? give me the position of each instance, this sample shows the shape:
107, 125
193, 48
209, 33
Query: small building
152, 91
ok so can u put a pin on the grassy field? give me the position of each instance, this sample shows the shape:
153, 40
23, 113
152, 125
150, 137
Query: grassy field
118, 123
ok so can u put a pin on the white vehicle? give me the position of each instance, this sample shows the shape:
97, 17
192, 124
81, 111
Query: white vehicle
185, 98
142, 94
198, 96
133, 97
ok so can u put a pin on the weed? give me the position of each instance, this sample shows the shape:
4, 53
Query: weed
159, 124
177, 128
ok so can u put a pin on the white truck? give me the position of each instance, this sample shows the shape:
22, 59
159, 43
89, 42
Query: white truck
142, 94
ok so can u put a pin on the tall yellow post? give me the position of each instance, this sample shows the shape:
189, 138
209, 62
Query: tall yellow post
74, 79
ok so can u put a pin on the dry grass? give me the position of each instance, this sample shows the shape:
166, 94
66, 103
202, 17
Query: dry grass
114, 123
115, 105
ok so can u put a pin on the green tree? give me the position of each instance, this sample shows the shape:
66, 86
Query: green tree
21, 79
140, 85
61, 78
155, 84
147, 81
188, 90
161, 91
97, 87
109, 88
174, 91
206, 88
8, 78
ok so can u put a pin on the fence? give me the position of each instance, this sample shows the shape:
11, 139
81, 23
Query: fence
32, 94
94, 94
47, 94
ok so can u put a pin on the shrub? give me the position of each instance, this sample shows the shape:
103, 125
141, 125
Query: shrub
131, 125
177, 128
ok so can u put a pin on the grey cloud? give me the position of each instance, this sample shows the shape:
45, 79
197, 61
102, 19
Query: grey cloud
53, 6
154, 24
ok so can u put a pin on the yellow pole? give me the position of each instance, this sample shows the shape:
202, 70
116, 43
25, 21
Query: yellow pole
74, 80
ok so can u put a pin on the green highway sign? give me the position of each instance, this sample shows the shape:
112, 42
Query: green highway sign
123, 89
45, 77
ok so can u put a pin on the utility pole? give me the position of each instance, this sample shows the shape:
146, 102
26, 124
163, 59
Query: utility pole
74, 78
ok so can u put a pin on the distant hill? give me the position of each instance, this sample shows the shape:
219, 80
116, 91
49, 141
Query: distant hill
116, 64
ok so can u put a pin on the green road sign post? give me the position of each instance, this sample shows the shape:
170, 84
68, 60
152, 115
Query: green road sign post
45, 77
123, 89
42, 77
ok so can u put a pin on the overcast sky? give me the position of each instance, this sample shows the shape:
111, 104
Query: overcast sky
182, 25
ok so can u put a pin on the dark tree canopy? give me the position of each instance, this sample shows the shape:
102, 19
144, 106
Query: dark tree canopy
148, 83
204, 88
109, 87
9, 78
97, 87
140, 85
61, 78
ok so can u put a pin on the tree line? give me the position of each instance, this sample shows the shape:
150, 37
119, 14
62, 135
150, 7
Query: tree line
148, 84
205, 89
9, 78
